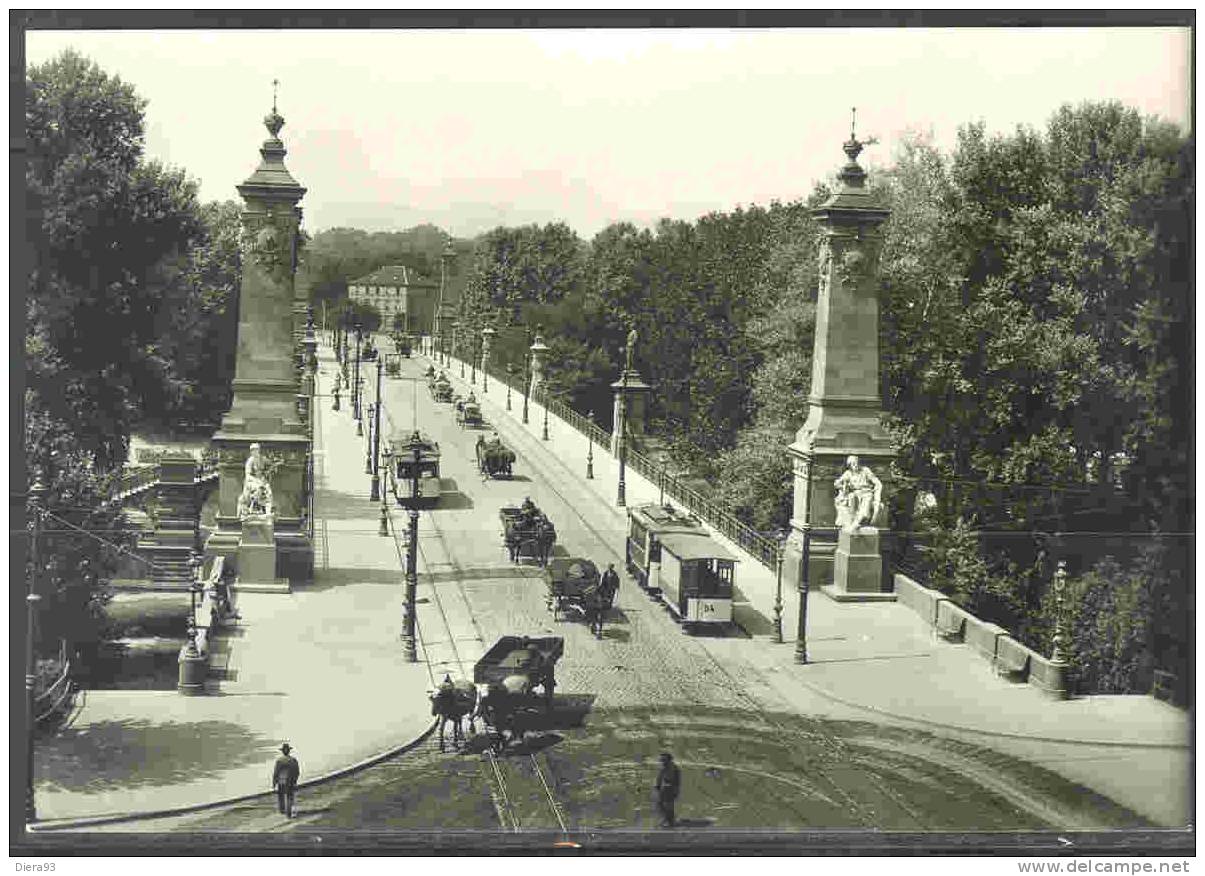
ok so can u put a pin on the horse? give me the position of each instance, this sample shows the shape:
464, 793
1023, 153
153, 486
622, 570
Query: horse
507, 710
454, 702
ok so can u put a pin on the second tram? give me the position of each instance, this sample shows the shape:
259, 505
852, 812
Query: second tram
671, 554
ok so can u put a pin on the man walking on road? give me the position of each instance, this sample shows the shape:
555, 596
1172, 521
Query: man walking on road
669, 781
610, 581
284, 780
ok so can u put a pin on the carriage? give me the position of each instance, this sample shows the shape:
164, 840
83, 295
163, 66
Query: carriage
671, 554
430, 372
468, 412
494, 459
393, 365
441, 388
574, 583
511, 670
527, 533
410, 454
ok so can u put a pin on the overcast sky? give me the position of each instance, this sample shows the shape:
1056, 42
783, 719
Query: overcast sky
472, 129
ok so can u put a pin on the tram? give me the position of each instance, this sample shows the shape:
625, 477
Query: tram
671, 555
402, 453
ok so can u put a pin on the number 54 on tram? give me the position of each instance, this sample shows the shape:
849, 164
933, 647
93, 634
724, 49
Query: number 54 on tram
671, 555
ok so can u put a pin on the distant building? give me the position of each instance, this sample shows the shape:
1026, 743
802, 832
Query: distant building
397, 289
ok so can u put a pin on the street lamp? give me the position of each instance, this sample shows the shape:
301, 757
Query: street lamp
409, 645
195, 589
459, 333
780, 544
37, 493
357, 389
801, 638
472, 362
590, 449
546, 399
510, 375
376, 440
387, 461
526, 375
621, 495
368, 444
487, 337
663, 458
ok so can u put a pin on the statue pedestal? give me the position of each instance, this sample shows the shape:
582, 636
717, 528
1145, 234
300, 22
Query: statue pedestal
257, 557
858, 568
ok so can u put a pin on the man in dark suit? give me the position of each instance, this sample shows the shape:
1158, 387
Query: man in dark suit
284, 780
669, 781
610, 582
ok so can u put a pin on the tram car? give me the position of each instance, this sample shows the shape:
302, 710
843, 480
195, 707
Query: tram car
670, 554
401, 450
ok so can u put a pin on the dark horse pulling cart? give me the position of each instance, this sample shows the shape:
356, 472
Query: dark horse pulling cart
511, 670
468, 412
494, 459
526, 531
454, 701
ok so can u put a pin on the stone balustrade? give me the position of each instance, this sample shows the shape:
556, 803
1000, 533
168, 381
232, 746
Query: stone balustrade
1008, 657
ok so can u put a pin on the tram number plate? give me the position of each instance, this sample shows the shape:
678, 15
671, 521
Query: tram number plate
716, 610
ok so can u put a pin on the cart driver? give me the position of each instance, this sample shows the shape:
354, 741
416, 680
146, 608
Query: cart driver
528, 512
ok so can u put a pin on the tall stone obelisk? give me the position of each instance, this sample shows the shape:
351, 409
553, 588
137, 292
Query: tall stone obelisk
844, 405
264, 409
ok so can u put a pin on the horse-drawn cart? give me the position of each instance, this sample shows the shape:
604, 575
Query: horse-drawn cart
468, 412
511, 670
526, 531
393, 365
494, 459
441, 388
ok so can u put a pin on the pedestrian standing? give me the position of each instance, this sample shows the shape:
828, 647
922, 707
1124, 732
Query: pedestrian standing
669, 782
610, 581
284, 780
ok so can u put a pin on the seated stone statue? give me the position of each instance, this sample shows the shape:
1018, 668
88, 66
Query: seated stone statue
256, 497
859, 496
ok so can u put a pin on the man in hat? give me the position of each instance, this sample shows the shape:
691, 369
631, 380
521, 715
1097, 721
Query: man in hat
284, 780
669, 781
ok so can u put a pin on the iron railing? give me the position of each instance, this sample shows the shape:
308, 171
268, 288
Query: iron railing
698, 502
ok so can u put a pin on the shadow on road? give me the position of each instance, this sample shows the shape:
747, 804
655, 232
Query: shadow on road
108, 755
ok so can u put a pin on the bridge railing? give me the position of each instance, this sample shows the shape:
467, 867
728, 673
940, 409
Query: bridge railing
702, 504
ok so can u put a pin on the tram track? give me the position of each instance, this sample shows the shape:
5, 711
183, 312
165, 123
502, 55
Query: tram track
500, 793
838, 751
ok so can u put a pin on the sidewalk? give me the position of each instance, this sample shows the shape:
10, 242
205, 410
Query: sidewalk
321, 667
881, 662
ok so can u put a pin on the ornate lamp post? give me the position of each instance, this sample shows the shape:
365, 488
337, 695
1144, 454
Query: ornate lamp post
458, 332
801, 635
663, 458
409, 645
376, 440
526, 376
387, 460
195, 589
368, 444
590, 448
538, 349
621, 493
37, 494
510, 375
780, 544
487, 337
356, 388
472, 362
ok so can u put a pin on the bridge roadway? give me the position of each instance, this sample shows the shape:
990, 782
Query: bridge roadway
759, 747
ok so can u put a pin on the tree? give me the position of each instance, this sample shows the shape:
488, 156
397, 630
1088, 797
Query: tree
101, 222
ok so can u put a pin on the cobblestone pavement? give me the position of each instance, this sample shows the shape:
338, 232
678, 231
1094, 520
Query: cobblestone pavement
646, 677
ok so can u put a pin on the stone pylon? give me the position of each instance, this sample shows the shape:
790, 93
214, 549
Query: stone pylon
266, 385
844, 404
